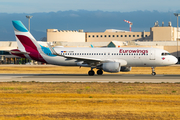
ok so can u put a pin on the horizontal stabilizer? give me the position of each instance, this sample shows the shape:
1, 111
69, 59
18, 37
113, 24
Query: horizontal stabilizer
18, 52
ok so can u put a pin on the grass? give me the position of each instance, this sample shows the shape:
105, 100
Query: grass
92, 101
31, 100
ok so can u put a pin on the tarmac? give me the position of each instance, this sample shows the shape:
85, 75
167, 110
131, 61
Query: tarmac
130, 78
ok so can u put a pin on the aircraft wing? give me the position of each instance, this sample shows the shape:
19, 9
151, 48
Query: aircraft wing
84, 59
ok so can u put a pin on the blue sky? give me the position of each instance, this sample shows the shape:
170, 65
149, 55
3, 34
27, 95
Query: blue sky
34, 6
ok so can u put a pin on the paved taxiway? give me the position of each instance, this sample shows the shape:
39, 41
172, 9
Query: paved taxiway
85, 78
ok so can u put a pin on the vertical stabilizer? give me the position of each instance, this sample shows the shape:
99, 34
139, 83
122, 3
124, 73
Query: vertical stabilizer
26, 42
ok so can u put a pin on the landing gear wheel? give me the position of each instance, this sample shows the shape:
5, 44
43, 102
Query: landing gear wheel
91, 73
99, 72
153, 73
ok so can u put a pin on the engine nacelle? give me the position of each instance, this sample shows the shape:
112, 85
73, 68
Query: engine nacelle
125, 69
111, 67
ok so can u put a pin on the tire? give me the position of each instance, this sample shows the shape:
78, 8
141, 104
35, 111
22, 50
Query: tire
99, 72
153, 73
91, 73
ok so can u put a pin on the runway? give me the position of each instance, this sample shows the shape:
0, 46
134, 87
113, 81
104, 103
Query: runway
132, 78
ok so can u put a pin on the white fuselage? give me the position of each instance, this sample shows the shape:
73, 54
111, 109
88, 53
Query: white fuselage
142, 57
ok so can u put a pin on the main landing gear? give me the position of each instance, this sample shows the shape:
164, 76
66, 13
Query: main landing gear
99, 72
91, 72
153, 71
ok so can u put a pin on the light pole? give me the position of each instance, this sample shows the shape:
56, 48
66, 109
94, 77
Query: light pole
177, 15
29, 17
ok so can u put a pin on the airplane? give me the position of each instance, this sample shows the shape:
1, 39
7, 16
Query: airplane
111, 60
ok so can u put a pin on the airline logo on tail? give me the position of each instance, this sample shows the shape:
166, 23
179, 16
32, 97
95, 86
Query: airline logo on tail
26, 42
19, 26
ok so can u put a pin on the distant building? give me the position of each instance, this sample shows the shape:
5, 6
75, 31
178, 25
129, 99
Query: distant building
157, 33
117, 35
65, 35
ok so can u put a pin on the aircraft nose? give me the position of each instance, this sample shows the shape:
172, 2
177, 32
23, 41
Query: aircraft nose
174, 60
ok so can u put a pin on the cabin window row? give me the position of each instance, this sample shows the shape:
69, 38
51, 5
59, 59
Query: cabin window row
102, 54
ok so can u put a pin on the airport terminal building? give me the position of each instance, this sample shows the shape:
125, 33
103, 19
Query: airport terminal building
157, 33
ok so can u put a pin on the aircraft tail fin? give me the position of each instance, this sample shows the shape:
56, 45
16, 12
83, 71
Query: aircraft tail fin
26, 42
23, 37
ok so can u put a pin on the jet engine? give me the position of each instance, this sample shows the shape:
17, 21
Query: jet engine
111, 67
125, 69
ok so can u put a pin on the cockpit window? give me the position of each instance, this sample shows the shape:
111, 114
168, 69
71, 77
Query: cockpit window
164, 54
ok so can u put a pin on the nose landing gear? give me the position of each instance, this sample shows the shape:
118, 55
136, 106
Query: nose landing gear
153, 71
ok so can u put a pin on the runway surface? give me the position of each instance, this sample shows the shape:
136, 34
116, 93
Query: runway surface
85, 78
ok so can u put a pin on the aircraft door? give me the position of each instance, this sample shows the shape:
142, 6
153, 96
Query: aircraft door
137, 60
106, 55
152, 55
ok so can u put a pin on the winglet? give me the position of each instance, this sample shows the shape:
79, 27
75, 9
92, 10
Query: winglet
92, 46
